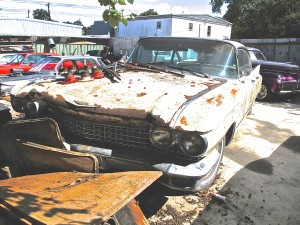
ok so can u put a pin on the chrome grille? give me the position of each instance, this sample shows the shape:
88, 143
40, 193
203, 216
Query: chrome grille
133, 137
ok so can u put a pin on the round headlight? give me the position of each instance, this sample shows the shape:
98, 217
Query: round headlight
161, 138
192, 144
32, 109
16, 104
279, 79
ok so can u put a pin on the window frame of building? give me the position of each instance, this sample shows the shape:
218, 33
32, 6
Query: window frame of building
158, 25
208, 31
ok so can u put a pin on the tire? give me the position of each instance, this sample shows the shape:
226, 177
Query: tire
265, 93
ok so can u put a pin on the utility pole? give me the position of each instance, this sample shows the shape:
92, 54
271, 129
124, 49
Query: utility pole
48, 4
28, 11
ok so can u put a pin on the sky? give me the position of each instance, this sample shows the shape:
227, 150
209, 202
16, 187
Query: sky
88, 11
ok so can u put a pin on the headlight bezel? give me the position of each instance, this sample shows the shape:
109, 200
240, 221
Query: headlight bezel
202, 141
154, 140
177, 138
17, 104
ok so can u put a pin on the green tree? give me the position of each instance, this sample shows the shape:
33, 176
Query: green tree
40, 14
149, 12
86, 30
133, 15
112, 15
261, 18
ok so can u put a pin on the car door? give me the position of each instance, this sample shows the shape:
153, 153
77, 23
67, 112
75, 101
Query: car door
249, 78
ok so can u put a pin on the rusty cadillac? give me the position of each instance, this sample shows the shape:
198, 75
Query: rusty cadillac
173, 112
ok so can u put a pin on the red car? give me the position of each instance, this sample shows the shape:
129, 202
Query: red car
23, 61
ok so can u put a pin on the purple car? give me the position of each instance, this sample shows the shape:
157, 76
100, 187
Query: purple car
278, 78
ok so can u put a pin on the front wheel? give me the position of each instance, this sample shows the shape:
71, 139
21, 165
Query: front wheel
265, 93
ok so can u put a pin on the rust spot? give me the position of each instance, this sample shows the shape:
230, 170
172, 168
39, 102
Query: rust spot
140, 94
219, 100
179, 128
158, 120
117, 99
193, 85
95, 95
60, 98
183, 121
210, 100
234, 91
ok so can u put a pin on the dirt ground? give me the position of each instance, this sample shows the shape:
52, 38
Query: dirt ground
259, 176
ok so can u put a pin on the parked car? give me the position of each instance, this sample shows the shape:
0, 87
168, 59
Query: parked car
5, 57
278, 78
175, 116
22, 61
49, 68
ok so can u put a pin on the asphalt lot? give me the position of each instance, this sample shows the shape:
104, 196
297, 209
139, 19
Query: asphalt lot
259, 176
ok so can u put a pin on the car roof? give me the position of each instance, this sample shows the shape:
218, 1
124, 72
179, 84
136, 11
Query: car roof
76, 57
253, 49
234, 43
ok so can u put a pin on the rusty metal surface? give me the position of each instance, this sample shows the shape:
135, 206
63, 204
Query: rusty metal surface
42, 131
74, 198
159, 96
37, 158
136, 95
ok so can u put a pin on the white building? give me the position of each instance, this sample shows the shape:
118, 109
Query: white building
180, 25
34, 27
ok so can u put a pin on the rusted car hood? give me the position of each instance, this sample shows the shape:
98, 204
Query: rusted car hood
160, 96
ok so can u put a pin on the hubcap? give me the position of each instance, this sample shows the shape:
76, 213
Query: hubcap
263, 92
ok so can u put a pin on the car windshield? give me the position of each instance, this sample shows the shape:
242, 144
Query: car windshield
45, 65
256, 55
17, 59
210, 57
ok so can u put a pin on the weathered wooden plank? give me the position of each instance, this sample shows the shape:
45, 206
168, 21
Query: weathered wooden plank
72, 197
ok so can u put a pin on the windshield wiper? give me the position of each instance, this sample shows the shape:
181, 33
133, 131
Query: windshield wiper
154, 68
199, 74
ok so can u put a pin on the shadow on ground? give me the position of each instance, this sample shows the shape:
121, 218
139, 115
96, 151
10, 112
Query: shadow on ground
265, 191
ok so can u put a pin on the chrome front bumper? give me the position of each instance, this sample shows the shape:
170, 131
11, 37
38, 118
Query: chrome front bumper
192, 177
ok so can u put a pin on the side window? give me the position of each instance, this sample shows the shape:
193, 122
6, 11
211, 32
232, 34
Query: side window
158, 25
29, 59
208, 31
91, 63
244, 63
190, 26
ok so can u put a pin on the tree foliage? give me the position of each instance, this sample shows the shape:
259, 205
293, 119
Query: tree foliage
40, 14
149, 12
262, 18
112, 15
86, 30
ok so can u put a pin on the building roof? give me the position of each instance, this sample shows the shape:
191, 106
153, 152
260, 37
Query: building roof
205, 18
